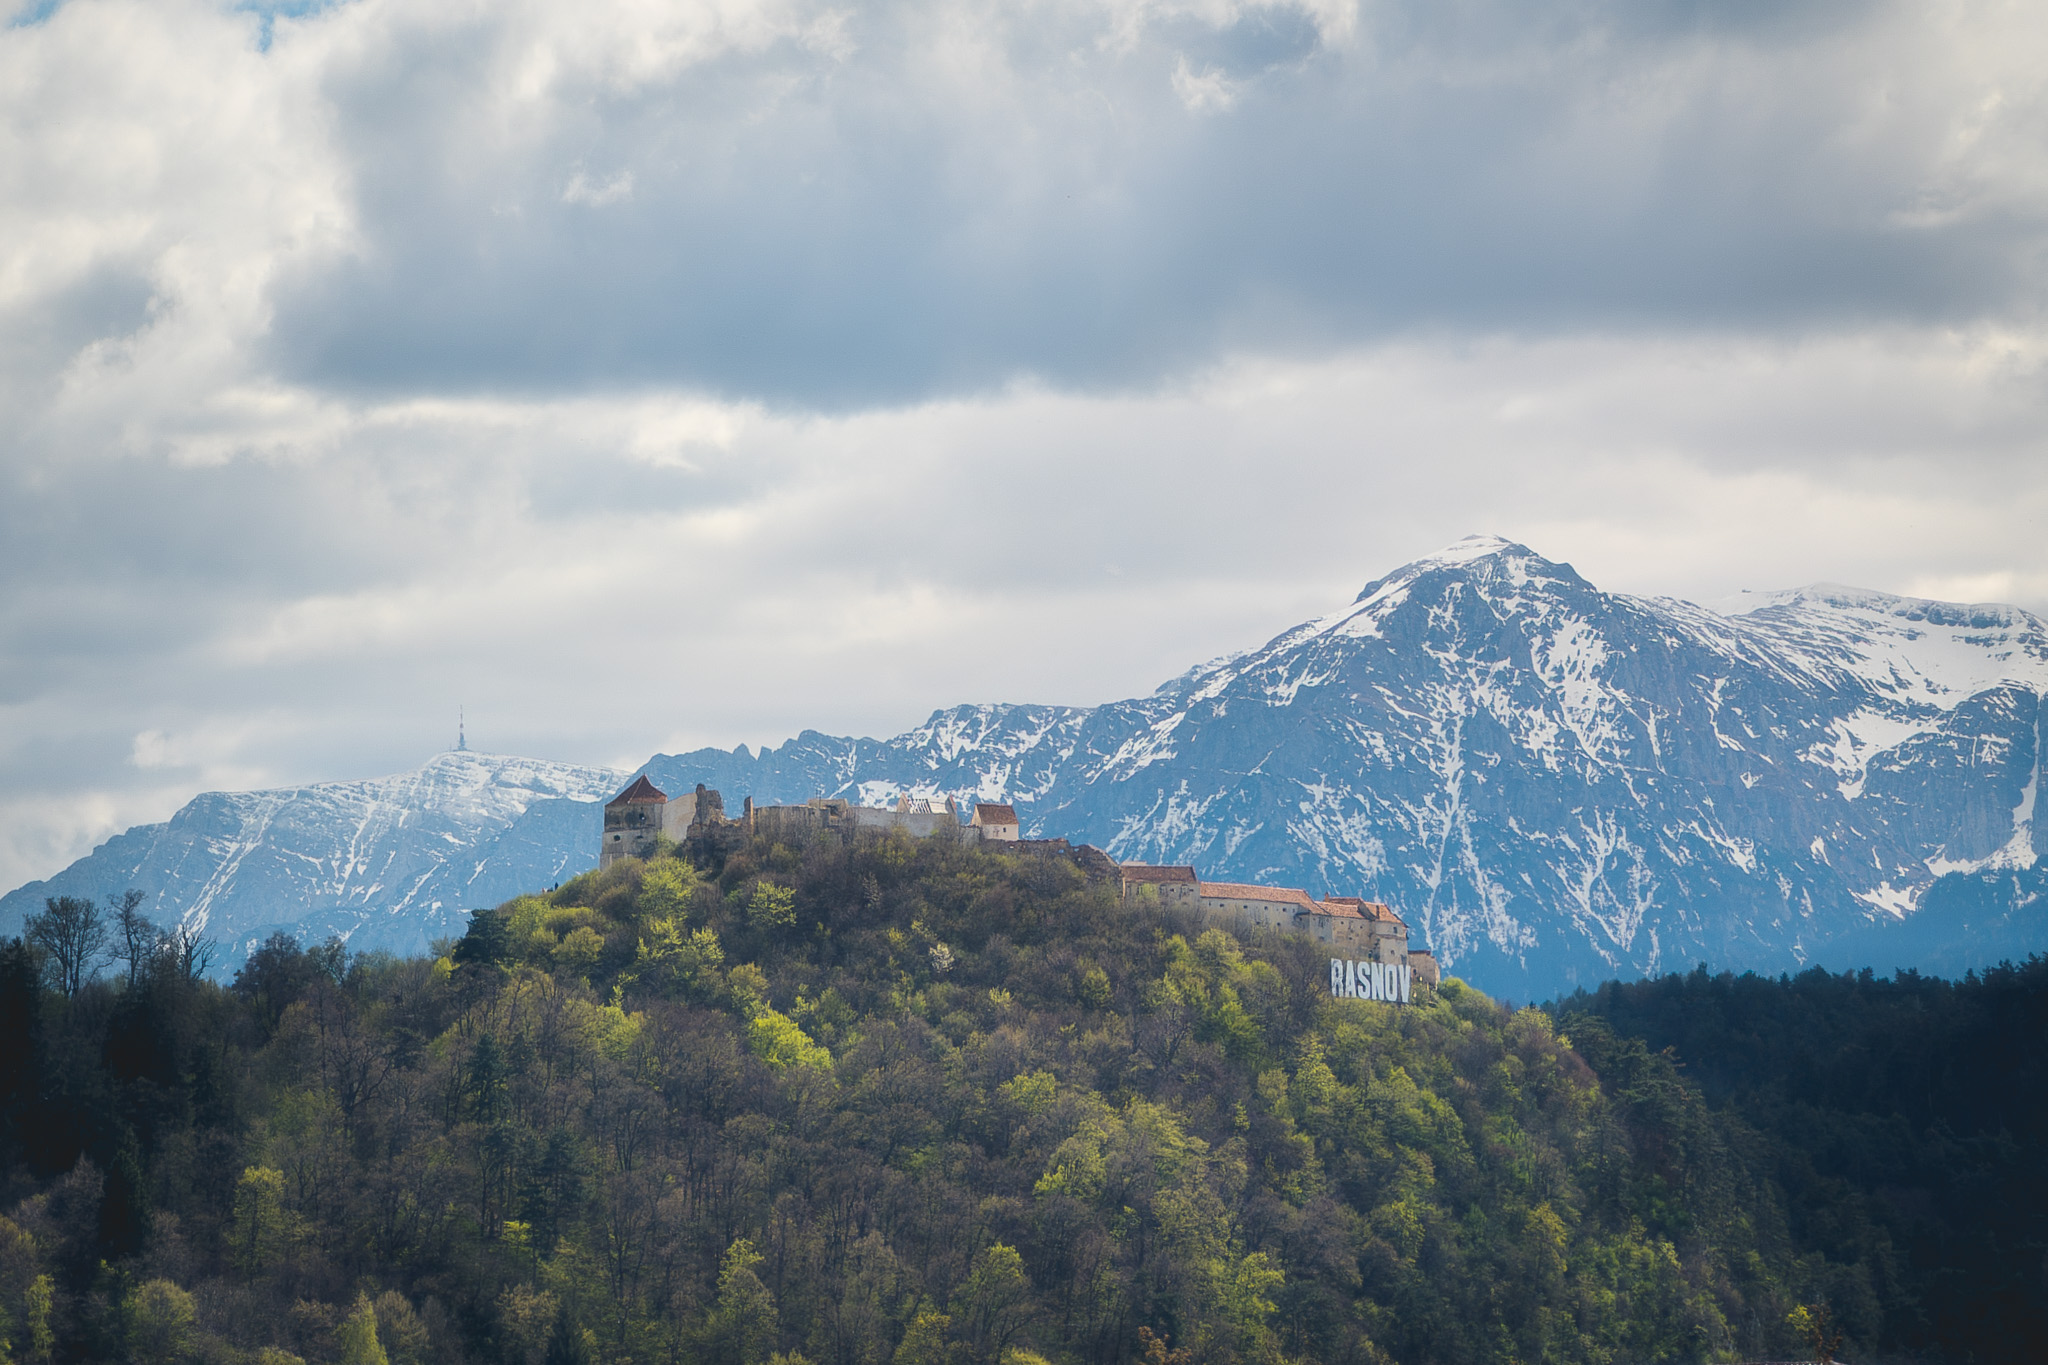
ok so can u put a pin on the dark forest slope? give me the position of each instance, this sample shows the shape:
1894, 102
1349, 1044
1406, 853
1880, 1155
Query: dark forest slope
1905, 1122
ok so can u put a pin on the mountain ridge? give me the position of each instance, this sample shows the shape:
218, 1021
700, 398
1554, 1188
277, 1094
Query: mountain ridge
1555, 783
390, 861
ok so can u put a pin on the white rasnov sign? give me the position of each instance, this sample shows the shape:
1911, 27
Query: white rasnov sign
1370, 981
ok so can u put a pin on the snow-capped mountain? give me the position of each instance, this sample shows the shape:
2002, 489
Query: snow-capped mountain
1553, 783
389, 862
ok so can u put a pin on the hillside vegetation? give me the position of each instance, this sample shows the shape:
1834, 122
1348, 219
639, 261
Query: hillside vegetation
1903, 1124
900, 1103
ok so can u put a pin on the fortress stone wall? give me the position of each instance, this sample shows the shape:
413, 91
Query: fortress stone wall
1369, 933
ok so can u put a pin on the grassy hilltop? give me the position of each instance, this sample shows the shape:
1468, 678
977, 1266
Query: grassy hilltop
919, 1103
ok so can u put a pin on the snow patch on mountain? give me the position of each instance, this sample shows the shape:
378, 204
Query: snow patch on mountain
381, 861
1554, 784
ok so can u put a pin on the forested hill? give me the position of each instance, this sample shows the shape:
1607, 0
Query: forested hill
1904, 1121
918, 1103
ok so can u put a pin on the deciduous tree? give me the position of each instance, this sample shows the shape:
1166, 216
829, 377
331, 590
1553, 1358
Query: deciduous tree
72, 933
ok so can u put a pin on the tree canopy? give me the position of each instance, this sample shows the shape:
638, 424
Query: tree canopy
898, 1102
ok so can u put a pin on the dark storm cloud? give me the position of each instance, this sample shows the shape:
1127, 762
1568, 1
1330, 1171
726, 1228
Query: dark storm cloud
942, 198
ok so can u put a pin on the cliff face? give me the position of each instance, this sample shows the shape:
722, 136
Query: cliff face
1553, 783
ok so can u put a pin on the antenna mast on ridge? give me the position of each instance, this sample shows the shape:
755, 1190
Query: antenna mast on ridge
461, 740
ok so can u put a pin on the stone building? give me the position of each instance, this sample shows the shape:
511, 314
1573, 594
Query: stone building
794, 824
643, 812
997, 823
1254, 907
1338, 925
1172, 885
1384, 934
921, 817
1360, 929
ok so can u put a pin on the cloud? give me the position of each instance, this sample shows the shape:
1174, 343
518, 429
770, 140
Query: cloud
832, 207
599, 576
1204, 90
581, 189
649, 375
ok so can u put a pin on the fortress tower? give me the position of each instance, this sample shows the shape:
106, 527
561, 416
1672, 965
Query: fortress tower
638, 815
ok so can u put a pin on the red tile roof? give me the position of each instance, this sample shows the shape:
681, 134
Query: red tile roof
985, 814
1373, 910
1148, 873
642, 791
1242, 891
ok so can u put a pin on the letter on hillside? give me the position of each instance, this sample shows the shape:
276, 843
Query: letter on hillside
1392, 982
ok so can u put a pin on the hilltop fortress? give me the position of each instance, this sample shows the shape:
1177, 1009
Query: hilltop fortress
1378, 965
642, 813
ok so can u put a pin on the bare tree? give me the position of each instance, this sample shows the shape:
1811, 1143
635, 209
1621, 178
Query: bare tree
135, 939
73, 935
183, 951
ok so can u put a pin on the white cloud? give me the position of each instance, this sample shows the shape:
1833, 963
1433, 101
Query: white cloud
648, 375
581, 189
1203, 91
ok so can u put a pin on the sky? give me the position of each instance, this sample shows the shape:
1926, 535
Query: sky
640, 376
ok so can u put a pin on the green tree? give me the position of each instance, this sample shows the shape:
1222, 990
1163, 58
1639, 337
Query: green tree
160, 1320
357, 1338
1247, 1300
579, 950
779, 1041
674, 960
771, 908
404, 1337
486, 943
1815, 1325
744, 1322
925, 1340
490, 1077
666, 889
261, 1227
38, 1303
1094, 988
994, 1302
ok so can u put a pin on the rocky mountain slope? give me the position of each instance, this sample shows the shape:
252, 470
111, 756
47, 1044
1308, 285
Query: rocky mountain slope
1555, 784
387, 862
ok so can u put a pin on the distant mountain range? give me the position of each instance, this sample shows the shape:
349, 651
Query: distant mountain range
390, 862
1554, 784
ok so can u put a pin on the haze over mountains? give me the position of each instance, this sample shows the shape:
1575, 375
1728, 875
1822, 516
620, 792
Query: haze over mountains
1554, 784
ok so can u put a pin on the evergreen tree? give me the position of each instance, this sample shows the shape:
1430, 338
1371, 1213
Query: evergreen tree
486, 943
